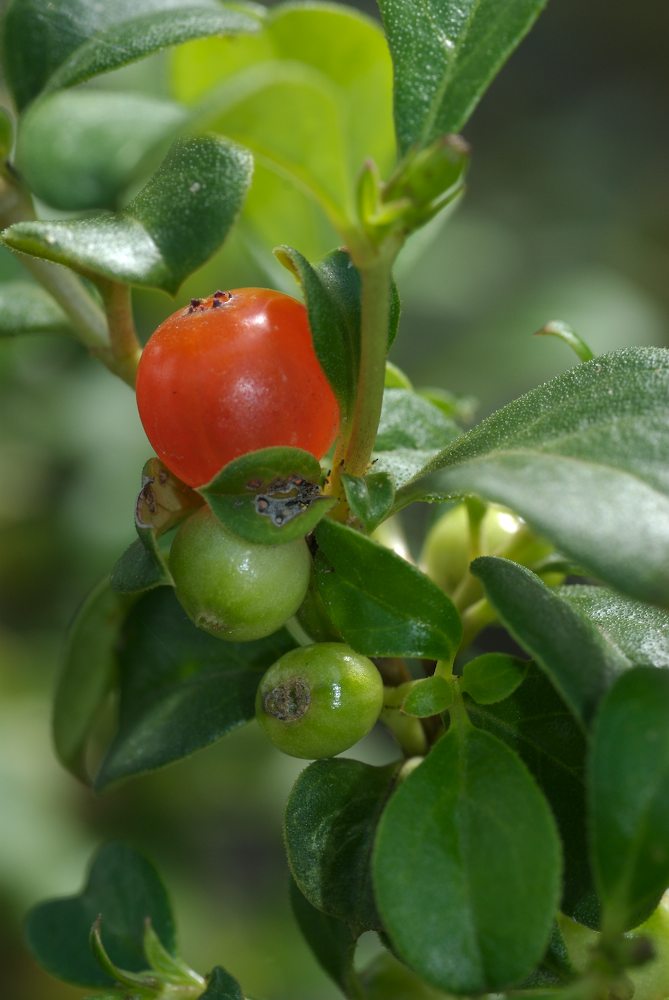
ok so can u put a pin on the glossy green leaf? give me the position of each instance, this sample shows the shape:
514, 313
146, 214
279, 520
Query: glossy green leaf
640, 632
467, 866
332, 295
370, 497
381, 604
87, 674
270, 496
535, 722
221, 986
331, 941
575, 657
629, 797
585, 460
492, 677
310, 94
81, 149
26, 308
68, 41
331, 291
331, 819
125, 890
169, 230
412, 432
445, 55
181, 689
429, 696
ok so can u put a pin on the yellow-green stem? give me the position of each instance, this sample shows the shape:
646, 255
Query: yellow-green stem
124, 347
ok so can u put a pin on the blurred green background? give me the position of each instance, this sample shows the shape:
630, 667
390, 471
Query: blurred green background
566, 217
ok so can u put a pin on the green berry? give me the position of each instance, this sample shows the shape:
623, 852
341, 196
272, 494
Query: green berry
233, 588
317, 701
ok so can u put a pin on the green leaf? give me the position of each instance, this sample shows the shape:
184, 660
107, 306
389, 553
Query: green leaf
270, 496
169, 230
221, 986
125, 890
492, 677
331, 291
629, 798
557, 328
369, 497
288, 116
467, 866
410, 421
585, 460
330, 940
331, 819
141, 567
638, 631
81, 149
575, 657
445, 55
535, 722
429, 696
181, 689
382, 605
310, 94
72, 40
412, 433
26, 308
87, 674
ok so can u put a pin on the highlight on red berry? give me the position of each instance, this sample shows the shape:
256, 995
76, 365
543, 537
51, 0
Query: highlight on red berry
229, 374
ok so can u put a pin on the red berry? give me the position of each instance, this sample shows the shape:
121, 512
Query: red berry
230, 374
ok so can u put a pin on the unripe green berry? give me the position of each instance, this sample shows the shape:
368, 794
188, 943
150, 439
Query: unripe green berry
446, 551
233, 588
317, 701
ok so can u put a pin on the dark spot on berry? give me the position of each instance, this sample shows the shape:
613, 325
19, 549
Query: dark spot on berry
288, 702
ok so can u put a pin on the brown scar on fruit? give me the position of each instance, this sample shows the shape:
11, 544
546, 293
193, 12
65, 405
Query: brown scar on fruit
288, 702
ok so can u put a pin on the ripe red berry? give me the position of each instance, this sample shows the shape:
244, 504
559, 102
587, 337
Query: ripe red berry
230, 374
